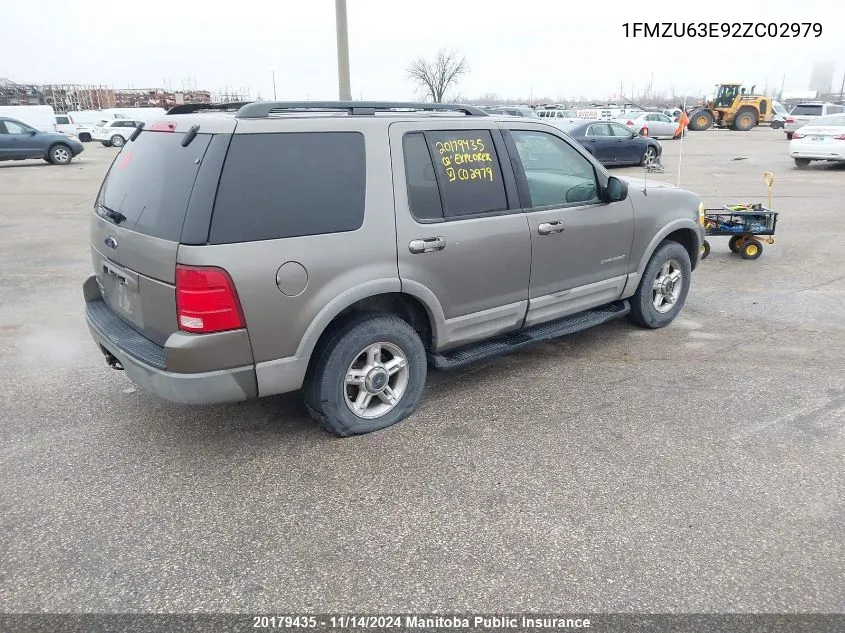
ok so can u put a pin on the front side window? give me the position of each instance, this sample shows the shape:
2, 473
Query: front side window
557, 174
621, 130
13, 127
62, 120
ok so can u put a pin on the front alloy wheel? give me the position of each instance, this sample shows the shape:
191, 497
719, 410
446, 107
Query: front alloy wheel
666, 289
663, 288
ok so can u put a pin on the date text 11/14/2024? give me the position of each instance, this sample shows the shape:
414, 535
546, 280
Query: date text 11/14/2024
722, 29
469, 152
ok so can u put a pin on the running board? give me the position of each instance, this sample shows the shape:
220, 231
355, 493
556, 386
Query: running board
514, 341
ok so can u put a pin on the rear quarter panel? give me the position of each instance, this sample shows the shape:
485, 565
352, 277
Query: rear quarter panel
340, 267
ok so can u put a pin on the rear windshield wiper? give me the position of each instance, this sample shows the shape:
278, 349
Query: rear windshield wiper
115, 216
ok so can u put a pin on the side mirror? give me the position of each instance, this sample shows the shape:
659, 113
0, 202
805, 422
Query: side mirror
33, 132
616, 189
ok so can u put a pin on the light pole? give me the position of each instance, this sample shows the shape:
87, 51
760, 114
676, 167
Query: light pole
273, 72
344, 87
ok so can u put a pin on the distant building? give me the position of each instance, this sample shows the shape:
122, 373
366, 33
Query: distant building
821, 79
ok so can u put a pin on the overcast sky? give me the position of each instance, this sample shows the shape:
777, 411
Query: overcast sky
544, 48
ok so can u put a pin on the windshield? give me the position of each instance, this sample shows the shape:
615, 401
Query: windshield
831, 120
149, 183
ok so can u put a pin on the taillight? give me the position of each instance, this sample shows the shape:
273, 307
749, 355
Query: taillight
797, 135
162, 126
839, 137
630, 124
206, 300
790, 120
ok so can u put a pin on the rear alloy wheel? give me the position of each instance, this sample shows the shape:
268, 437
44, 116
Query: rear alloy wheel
368, 375
60, 155
663, 288
117, 141
649, 156
802, 163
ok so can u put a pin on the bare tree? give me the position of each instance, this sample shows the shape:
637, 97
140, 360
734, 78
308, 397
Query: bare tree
437, 75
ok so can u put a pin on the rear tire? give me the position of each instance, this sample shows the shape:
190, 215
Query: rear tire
667, 276
802, 163
60, 154
649, 156
85, 137
776, 125
745, 119
117, 141
700, 120
344, 372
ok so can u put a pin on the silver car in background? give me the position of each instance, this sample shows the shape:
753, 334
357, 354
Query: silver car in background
804, 113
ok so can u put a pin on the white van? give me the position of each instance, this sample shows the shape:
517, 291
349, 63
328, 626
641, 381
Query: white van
41, 117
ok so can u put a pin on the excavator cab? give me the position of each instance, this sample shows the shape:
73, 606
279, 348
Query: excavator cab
725, 95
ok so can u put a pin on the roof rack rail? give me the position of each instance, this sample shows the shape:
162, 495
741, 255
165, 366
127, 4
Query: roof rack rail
262, 109
188, 108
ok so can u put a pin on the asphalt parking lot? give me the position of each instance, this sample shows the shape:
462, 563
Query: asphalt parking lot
695, 468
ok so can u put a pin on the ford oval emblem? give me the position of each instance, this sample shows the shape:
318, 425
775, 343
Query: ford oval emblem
111, 242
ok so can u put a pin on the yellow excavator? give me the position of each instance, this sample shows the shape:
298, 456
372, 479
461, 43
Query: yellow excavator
732, 108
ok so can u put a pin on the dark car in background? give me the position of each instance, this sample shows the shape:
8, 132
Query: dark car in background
19, 141
613, 143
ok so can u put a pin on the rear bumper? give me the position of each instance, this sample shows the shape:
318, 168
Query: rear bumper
144, 363
817, 151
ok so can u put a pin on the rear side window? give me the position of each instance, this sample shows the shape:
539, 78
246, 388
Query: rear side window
150, 182
423, 192
290, 184
62, 120
468, 172
807, 110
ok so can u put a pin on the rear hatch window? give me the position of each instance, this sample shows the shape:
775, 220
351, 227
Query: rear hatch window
807, 110
149, 184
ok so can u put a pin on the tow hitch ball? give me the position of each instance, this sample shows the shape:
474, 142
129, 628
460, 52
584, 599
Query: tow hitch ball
113, 362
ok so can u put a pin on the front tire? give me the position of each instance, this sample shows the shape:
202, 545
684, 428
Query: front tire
745, 119
663, 288
700, 120
117, 141
60, 154
367, 375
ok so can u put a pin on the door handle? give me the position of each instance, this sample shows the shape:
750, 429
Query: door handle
551, 227
427, 245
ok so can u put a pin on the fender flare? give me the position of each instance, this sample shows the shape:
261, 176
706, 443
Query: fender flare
683, 223
364, 291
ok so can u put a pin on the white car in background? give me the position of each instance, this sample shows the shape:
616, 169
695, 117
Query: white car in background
823, 139
116, 132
